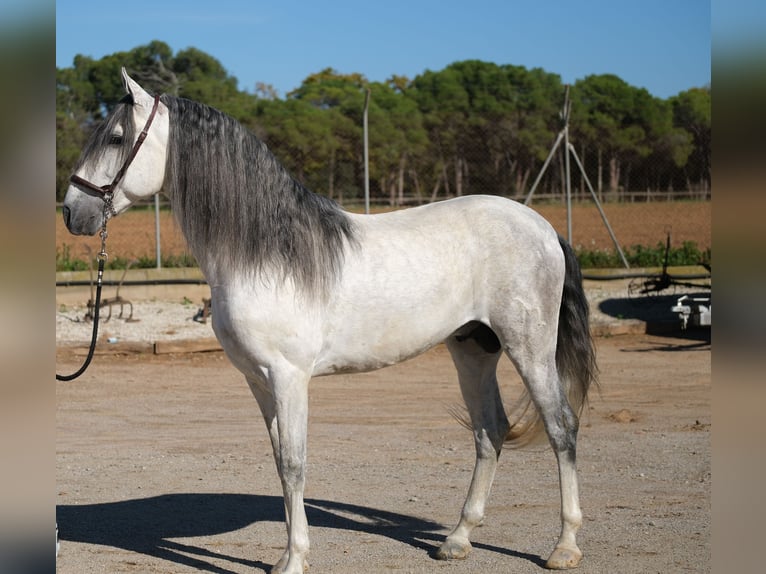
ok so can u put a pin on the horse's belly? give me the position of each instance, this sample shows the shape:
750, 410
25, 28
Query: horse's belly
373, 350
387, 328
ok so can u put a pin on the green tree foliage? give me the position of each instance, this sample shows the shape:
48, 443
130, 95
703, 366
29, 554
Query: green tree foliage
610, 120
691, 114
302, 137
634, 140
339, 99
491, 125
398, 142
473, 127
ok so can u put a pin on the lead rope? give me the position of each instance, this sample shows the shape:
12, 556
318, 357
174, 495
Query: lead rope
102, 257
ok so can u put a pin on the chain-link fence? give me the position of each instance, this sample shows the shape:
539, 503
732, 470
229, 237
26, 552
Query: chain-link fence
642, 219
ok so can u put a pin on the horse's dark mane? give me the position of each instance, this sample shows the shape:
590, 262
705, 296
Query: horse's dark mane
100, 140
239, 208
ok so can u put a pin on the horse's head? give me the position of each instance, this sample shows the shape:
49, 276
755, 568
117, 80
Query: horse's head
119, 159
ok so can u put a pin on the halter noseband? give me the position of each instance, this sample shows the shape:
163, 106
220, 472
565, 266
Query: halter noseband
107, 190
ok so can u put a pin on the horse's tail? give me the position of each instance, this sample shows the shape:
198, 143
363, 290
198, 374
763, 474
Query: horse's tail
575, 351
575, 355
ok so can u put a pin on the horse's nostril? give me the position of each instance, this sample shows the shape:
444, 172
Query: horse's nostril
67, 214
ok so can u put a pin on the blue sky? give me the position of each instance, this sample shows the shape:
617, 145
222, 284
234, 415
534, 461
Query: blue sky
660, 45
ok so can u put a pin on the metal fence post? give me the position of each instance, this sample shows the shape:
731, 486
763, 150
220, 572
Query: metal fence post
158, 250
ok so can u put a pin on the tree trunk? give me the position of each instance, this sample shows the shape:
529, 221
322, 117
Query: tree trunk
445, 179
402, 167
458, 176
600, 176
523, 178
437, 185
331, 176
416, 185
583, 191
614, 174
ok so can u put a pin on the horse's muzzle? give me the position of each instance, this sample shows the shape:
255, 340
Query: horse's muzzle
81, 224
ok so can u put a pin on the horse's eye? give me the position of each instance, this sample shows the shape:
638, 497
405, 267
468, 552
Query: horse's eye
116, 139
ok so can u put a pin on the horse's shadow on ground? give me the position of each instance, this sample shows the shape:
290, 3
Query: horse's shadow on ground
151, 526
655, 311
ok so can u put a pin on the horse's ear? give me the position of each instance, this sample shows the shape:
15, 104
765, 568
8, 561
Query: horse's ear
140, 96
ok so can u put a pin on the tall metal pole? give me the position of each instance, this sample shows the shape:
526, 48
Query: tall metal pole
569, 148
566, 165
545, 166
366, 154
158, 249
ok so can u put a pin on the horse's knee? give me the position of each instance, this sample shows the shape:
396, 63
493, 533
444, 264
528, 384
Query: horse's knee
292, 469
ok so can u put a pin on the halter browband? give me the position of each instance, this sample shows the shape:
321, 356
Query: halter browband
109, 188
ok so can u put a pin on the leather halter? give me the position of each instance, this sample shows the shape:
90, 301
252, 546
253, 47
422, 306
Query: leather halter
107, 190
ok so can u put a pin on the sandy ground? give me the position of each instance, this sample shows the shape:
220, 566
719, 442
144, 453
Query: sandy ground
163, 465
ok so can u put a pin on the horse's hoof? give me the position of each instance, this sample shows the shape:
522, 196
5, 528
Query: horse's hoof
453, 550
564, 558
279, 567
279, 570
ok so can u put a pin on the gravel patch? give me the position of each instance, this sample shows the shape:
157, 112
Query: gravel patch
158, 320
152, 321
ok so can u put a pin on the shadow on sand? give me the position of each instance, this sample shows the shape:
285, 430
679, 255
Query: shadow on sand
151, 526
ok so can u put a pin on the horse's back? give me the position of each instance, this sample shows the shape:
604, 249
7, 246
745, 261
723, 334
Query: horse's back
474, 236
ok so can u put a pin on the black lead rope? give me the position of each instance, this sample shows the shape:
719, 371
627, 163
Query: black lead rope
102, 256
92, 348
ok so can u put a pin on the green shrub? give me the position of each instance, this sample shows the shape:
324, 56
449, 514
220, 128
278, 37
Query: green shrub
637, 255
65, 262
642, 256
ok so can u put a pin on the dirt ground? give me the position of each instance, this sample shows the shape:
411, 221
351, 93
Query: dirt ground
163, 465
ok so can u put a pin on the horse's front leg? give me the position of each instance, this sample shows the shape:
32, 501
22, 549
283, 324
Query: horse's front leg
284, 404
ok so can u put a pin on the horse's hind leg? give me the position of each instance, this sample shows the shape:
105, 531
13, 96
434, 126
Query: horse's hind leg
476, 354
540, 375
